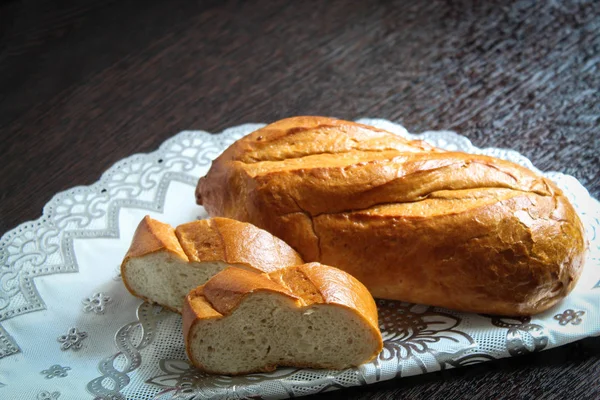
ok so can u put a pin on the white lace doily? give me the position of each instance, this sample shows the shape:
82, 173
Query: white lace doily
70, 330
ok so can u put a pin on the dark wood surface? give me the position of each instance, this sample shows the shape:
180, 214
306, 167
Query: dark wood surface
84, 84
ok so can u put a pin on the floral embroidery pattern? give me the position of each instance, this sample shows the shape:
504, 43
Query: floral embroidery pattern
430, 334
412, 337
56, 371
522, 336
45, 395
179, 378
569, 317
182, 381
112, 380
96, 303
409, 333
72, 340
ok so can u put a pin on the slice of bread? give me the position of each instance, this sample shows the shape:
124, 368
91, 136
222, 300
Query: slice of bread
309, 315
163, 264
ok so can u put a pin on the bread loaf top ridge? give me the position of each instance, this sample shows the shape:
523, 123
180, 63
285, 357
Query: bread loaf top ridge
412, 222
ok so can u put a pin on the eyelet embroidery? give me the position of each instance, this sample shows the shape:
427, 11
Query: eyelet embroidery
55, 371
96, 303
72, 340
569, 317
173, 155
45, 395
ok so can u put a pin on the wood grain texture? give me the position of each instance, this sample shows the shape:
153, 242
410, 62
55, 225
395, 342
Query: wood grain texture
84, 84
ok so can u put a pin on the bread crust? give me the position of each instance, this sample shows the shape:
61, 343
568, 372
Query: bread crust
151, 236
235, 242
413, 223
305, 285
212, 240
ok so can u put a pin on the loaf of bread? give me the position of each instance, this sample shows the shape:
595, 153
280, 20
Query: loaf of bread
163, 264
412, 222
309, 315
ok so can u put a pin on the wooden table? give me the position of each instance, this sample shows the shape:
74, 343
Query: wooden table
84, 84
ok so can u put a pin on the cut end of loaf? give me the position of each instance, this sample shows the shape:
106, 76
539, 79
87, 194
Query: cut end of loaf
163, 264
271, 329
166, 279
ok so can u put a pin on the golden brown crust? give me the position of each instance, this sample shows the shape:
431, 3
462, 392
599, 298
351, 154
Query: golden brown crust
235, 242
200, 241
410, 222
212, 240
151, 236
338, 287
321, 284
195, 308
226, 290
306, 284
297, 281
289, 139
509, 269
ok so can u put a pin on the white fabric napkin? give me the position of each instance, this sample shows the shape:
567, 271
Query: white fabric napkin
70, 330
